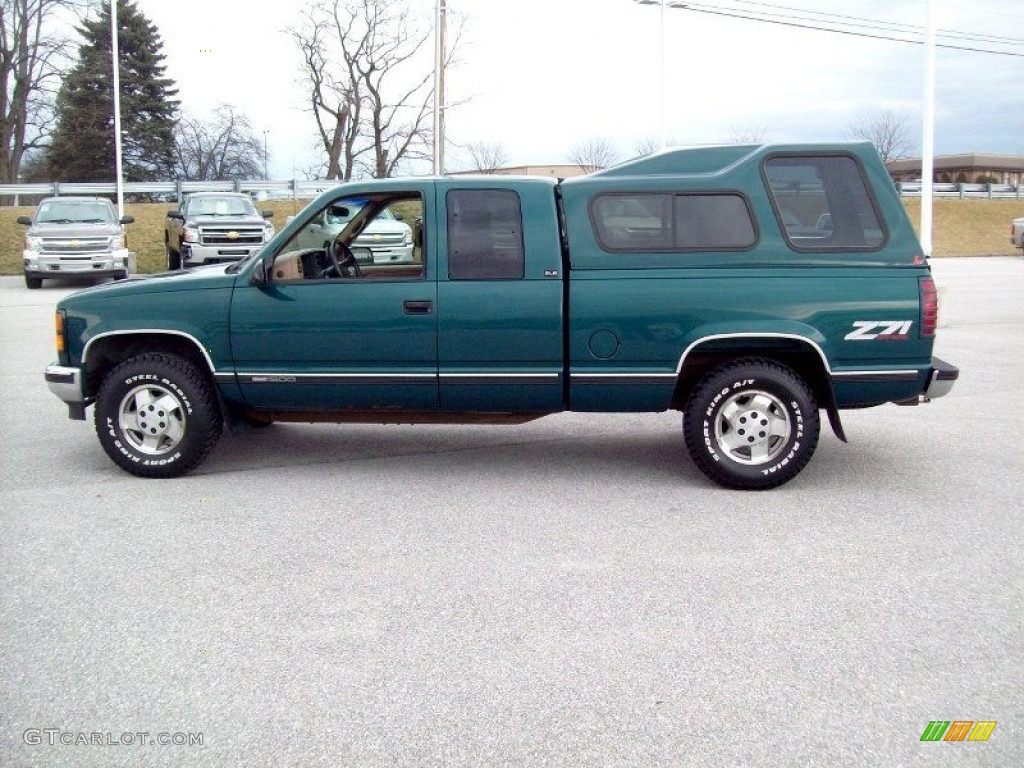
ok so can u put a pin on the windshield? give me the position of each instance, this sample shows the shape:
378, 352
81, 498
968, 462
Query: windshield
210, 205
75, 212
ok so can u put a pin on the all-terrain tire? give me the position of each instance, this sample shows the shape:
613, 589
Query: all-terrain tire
751, 424
157, 415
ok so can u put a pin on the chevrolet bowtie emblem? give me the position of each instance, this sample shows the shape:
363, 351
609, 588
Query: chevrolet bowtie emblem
75, 244
377, 238
232, 235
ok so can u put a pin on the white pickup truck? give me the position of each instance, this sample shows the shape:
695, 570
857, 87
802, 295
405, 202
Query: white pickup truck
1017, 233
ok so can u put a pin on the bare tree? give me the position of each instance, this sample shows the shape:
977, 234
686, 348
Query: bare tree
593, 154
647, 145
747, 135
886, 130
371, 103
223, 147
31, 58
486, 157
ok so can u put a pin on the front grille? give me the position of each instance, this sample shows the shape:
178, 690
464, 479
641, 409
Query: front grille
378, 241
223, 235
75, 245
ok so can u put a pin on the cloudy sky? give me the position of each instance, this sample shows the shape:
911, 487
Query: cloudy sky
539, 76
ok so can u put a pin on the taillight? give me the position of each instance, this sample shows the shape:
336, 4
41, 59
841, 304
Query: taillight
59, 329
929, 306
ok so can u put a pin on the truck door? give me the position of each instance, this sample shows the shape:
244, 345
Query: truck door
365, 339
499, 297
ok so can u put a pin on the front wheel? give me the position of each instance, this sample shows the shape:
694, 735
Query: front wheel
33, 282
173, 259
157, 416
751, 424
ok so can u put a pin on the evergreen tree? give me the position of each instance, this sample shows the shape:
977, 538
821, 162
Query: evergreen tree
83, 143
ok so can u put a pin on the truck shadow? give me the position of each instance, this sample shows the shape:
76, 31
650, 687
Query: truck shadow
542, 448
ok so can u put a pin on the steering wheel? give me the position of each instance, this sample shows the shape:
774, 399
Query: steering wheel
343, 261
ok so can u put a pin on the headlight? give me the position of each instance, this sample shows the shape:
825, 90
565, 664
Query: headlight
33, 243
268, 234
190, 234
408, 237
117, 242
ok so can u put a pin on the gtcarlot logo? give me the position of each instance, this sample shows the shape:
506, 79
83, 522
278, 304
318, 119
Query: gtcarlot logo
53, 736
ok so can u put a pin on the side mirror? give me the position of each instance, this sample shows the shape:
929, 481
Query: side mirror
25, 220
175, 215
338, 211
259, 274
399, 217
127, 219
267, 214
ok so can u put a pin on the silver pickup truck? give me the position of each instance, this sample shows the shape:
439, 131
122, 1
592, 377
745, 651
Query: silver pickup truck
75, 237
212, 227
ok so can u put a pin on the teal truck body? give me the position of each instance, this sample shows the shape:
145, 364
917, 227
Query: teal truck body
750, 287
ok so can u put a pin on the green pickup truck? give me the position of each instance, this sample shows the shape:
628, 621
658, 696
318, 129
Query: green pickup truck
749, 287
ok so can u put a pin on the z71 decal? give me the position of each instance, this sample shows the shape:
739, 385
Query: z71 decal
880, 330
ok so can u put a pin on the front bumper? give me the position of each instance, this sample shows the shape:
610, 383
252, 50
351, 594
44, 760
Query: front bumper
194, 254
66, 383
375, 254
109, 264
941, 378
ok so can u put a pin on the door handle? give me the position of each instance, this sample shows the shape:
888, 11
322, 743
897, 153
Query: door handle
418, 307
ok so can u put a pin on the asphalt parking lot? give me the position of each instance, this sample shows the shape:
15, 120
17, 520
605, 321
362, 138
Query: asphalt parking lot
568, 592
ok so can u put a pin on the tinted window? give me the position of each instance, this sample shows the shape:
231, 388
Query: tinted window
823, 203
665, 222
485, 235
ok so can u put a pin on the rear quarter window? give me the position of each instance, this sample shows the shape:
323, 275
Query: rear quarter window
824, 203
669, 222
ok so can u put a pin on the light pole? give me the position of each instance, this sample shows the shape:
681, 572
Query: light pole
440, 12
266, 176
662, 128
116, 67
928, 134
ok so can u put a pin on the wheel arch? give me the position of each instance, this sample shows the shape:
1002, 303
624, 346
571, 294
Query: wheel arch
106, 350
801, 353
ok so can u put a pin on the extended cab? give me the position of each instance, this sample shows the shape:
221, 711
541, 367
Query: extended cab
214, 227
75, 237
749, 287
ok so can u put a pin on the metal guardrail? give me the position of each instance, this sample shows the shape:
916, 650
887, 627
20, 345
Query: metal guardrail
296, 188
963, 191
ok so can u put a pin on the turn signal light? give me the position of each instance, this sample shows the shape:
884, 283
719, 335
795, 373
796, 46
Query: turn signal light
59, 328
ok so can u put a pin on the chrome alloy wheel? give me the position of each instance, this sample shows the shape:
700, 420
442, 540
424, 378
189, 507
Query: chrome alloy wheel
152, 419
752, 427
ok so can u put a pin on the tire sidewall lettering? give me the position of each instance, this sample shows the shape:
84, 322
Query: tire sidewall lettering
794, 414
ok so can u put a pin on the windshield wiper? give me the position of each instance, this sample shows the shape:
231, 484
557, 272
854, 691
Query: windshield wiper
57, 221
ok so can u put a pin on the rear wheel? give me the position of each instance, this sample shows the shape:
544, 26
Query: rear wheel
751, 424
157, 415
33, 282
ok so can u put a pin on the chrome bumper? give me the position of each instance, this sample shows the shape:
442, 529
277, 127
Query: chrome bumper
943, 377
66, 383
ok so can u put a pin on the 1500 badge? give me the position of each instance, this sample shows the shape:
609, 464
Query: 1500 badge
880, 330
